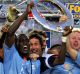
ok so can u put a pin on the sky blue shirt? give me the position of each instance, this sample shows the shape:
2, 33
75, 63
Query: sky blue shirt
13, 63
1, 68
69, 67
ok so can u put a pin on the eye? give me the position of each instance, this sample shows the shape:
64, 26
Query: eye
20, 40
73, 37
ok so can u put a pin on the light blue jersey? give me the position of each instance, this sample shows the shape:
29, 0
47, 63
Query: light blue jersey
1, 68
69, 67
14, 63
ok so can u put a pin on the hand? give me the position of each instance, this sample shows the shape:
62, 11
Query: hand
67, 30
29, 7
33, 56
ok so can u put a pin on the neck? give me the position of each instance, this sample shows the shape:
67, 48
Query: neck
25, 58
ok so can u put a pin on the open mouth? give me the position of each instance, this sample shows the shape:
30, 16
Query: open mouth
34, 51
25, 47
75, 44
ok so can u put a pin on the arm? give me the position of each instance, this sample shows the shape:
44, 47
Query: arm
1, 44
1, 53
61, 57
62, 53
75, 55
12, 29
15, 25
3, 35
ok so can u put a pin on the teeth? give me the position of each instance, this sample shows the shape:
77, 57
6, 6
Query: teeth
25, 46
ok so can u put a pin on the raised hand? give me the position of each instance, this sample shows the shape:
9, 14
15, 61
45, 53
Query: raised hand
29, 7
67, 30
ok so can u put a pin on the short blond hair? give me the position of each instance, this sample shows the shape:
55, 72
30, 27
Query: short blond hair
76, 30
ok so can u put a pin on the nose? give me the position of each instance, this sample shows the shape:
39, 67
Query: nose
76, 40
32, 47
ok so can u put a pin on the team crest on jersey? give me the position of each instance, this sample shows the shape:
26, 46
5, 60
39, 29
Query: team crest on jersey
66, 66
